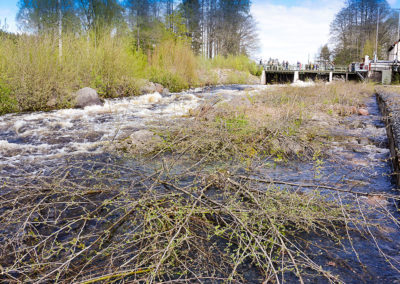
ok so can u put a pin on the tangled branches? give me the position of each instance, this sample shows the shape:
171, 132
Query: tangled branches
203, 208
161, 228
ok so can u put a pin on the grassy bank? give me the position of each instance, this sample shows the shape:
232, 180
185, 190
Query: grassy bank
32, 74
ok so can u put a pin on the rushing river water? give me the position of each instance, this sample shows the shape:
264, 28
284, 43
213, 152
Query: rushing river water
359, 159
43, 137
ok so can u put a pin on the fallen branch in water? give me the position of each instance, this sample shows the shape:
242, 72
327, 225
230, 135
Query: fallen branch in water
116, 275
316, 186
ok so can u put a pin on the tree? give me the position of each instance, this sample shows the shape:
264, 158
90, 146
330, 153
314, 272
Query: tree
42, 16
325, 53
145, 22
98, 15
191, 11
214, 26
356, 24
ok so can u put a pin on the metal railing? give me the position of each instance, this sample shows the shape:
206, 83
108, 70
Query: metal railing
305, 68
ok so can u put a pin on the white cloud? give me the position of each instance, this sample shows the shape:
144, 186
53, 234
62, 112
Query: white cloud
294, 32
9, 15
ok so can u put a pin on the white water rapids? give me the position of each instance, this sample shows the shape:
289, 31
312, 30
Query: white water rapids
44, 136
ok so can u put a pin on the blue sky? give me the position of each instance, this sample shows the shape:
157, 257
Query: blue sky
288, 29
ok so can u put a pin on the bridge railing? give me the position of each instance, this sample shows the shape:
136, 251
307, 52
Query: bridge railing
305, 68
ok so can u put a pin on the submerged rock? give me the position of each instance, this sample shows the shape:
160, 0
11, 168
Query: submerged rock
139, 141
86, 97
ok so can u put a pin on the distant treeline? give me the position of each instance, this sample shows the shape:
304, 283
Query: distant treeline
354, 30
214, 26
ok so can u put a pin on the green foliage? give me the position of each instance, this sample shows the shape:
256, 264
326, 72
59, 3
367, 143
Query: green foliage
325, 53
240, 63
396, 79
174, 82
35, 75
233, 124
38, 79
7, 102
174, 65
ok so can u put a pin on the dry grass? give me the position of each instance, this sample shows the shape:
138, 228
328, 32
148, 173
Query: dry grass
283, 123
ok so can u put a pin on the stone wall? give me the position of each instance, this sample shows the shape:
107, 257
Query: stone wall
389, 104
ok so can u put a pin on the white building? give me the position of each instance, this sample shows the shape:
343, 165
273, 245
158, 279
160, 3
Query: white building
393, 52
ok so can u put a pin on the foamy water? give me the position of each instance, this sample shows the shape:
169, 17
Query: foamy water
72, 131
38, 136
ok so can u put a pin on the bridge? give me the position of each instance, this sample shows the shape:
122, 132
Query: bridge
281, 74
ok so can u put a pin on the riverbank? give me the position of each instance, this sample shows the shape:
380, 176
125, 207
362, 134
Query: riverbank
389, 102
34, 77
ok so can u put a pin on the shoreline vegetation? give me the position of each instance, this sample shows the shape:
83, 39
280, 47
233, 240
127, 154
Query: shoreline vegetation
33, 77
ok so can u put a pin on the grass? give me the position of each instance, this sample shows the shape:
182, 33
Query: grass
282, 123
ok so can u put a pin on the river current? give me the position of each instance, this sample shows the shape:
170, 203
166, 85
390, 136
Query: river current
33, 143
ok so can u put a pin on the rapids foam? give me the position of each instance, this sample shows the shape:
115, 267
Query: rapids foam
49, 135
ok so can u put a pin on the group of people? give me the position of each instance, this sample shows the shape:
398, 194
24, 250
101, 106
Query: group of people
275, 64
312, 66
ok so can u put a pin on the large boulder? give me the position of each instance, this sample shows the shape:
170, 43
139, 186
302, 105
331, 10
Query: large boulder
86, 97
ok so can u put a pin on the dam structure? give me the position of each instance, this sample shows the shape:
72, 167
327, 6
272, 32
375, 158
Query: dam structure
276, 75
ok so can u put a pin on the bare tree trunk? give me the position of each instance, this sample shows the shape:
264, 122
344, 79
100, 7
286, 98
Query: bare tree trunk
60, 43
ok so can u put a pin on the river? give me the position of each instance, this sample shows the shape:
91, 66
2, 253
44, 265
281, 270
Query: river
39, 143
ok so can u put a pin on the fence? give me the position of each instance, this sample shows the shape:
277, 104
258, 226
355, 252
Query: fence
305, 68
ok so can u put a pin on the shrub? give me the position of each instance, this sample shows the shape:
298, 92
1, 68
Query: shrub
174, 65
240, 63
32, 73
32, 68
7, 102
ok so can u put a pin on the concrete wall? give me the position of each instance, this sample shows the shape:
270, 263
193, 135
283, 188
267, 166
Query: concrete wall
393, 53
389, 104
